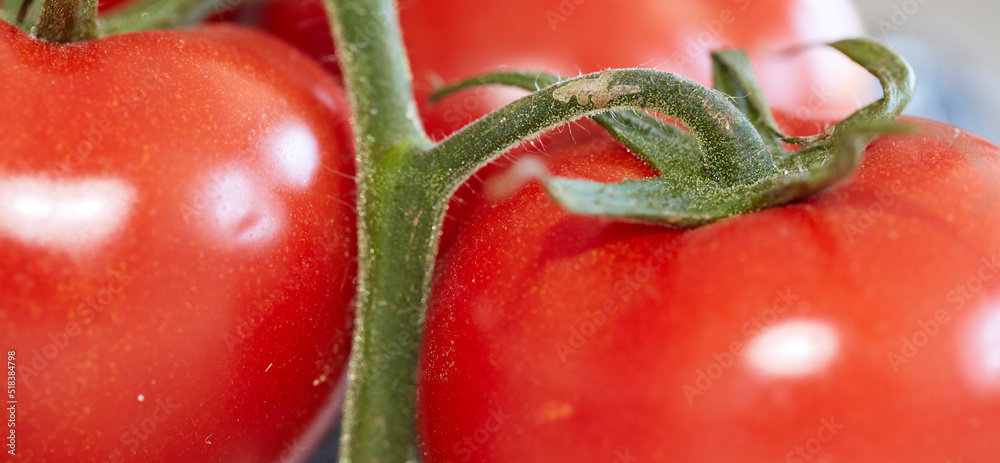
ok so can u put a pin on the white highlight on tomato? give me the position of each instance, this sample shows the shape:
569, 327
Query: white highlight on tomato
794, 348
982, 346
241, 211
503, 186
294, 155
69, 215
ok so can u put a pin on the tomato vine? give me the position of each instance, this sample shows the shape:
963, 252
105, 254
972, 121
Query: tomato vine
733, 161
404, 184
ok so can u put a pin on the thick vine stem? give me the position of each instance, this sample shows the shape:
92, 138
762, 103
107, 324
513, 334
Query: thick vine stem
398, 228
67, 21
368, 45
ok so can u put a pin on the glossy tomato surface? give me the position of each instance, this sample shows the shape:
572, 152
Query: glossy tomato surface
862, 325
449, 40
176, 246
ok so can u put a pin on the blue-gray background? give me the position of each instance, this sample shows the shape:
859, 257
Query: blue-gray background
953, 46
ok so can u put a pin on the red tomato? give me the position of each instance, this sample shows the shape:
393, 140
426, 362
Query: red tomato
178, 238
302, 23
109, 5
448, 40
862, 325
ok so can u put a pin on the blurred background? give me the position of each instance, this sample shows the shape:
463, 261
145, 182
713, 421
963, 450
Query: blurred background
953, 46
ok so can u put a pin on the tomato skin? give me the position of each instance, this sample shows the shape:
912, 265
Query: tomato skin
303, 24
110, 5
860, 325
450, 40
178, 246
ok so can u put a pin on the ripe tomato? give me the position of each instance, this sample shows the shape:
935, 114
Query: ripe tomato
862, 325
178, 238
449, 40
108, 5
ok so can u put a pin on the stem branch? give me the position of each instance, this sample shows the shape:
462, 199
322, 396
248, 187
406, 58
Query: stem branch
734, 151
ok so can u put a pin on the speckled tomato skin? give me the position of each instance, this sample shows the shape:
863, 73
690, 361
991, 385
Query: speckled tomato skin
557, 337
177, 242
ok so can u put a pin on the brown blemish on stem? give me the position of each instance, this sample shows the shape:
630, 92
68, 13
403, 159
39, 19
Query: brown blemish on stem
599, 90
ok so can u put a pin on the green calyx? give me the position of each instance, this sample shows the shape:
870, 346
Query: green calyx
732, 161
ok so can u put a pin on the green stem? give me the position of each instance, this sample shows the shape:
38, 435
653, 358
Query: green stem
67, 21
398, 229
376, 74
401, 231
159, 14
